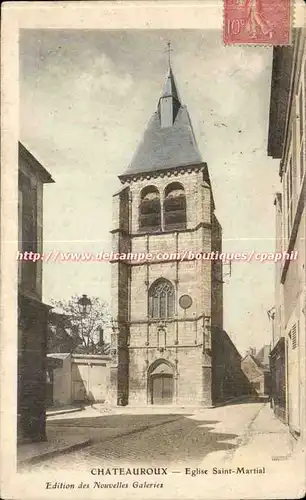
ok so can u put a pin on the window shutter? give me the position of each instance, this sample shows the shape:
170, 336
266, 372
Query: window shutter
294, 336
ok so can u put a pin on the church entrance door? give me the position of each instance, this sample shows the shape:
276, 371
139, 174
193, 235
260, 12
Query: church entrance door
162, 389
160, 382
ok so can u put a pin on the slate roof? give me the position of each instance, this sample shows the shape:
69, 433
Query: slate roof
164, 148
37, 167
170, 87
257, 362
168, 147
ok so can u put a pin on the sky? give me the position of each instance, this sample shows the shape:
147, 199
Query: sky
85, 99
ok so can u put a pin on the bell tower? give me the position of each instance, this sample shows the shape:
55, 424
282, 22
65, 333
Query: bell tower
167, 302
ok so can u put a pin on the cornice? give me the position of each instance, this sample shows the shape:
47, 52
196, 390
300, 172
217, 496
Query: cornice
121, 231
167, 172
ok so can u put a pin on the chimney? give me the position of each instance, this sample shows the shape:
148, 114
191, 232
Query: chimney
101, 337
252, 351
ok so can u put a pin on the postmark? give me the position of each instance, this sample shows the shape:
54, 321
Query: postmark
257, 22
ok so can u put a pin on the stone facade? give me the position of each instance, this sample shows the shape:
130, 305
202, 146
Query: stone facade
228, 378
183, 347
32, 313
287, 142
166, 308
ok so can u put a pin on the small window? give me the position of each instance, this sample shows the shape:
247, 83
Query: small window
289, 196
174, 207
161, 299
150, 210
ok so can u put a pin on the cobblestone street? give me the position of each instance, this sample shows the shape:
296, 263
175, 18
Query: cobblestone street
170, 440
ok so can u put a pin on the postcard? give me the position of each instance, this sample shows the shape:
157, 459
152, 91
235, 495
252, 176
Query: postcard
153, 274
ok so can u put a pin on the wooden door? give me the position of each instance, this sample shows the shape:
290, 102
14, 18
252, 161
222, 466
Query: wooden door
79, 383
162, 389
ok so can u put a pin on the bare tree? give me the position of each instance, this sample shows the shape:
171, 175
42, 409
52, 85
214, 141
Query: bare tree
85, 326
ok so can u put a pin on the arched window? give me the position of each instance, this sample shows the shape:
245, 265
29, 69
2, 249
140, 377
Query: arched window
150, 210
161, 299
174, 207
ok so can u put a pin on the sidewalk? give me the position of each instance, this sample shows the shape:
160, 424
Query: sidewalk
263, 440
266, 438
59, 439
57, 443
268, 444
59, 410
66, 433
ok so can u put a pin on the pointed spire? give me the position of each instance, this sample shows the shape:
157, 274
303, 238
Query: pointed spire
169, 103
170, 88
169, 50
168, 141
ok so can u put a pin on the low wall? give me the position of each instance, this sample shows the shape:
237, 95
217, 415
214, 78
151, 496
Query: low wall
90, 378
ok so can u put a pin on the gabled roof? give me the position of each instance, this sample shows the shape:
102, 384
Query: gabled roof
34, 164
255, 361
252, 358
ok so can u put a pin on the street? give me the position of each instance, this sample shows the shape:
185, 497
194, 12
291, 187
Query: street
170, 439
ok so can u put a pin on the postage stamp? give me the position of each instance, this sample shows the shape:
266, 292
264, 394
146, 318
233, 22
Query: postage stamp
252, 22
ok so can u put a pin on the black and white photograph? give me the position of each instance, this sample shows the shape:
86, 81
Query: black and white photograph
159, 253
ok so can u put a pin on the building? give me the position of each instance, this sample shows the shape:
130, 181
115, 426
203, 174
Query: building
263, 355
229, 379
32, 312
169, 346
72, 375
256, 367
59, 335
78, 378
287, 138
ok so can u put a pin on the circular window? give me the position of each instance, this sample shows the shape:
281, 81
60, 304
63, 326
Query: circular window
185, 301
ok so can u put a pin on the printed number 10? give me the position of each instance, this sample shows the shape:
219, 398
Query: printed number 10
234, 26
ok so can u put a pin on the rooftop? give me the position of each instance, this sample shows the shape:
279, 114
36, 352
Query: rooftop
169, 140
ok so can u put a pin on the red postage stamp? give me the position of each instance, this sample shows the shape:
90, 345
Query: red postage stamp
254, 22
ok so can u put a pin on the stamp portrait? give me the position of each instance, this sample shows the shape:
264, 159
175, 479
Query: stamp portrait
257, 22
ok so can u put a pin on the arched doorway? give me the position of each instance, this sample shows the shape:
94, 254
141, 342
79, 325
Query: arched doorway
160, 383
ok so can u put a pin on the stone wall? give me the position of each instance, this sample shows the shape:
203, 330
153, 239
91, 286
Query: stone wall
229, 381
217, 276
32, 350
180, 344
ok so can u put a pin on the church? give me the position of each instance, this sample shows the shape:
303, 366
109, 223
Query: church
169, 346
